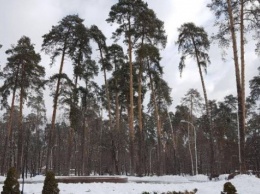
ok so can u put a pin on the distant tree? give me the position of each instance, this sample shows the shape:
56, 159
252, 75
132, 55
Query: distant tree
181, 156
253, 141
11, 184
50, 185
162, 101
254, 85
224, 125
193, 100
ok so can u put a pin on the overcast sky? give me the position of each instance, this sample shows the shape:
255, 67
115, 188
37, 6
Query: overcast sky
34, 18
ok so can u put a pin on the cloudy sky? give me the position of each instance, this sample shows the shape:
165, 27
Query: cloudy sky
34, 18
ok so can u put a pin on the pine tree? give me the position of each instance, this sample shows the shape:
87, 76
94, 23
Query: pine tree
64, 39
11, 184
50, 184
125, 13
193, 42
22, 72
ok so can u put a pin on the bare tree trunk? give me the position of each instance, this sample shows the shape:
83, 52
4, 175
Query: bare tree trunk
117, 116
100, 144
131, 105
9, 131
242, 128
140, 121
156, 112
69, 153
111, 130
191, 157
140, 115
8, 136
21, 133
212, 154
55, 105
238, 82
207, 110
191, 110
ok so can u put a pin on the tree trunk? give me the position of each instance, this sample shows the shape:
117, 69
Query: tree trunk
207, 109
6, 153
21, 133
55, 105
156, 112
9, 131
83, 144
111, 130
140, 121
242, 128
131, 105
140, 113
117, 112
208, 123
238, 82
191, 157
69, 153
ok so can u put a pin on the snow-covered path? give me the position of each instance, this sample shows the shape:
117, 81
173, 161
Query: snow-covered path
244, 184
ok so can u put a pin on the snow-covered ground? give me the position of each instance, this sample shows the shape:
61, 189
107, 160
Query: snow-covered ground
244, 184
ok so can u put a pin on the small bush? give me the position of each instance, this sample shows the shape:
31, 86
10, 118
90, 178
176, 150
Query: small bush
50, 184
231, 176
229, 188
11, 184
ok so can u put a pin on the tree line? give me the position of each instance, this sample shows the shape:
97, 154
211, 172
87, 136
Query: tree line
136, 137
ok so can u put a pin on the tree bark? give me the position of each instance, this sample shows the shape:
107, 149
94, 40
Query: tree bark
140, 121
9, 133
21, 133
55, 105
242, 128
156, 112
131, 105
238, 83
112, 131
207, 110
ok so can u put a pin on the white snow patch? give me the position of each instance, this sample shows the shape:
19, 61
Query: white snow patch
244, 184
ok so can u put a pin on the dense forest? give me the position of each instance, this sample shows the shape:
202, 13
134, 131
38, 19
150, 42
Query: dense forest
125, 126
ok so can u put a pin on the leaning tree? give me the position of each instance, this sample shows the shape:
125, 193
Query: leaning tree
193, 42
63, 39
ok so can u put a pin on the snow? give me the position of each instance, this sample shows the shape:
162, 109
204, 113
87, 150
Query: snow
245, 184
